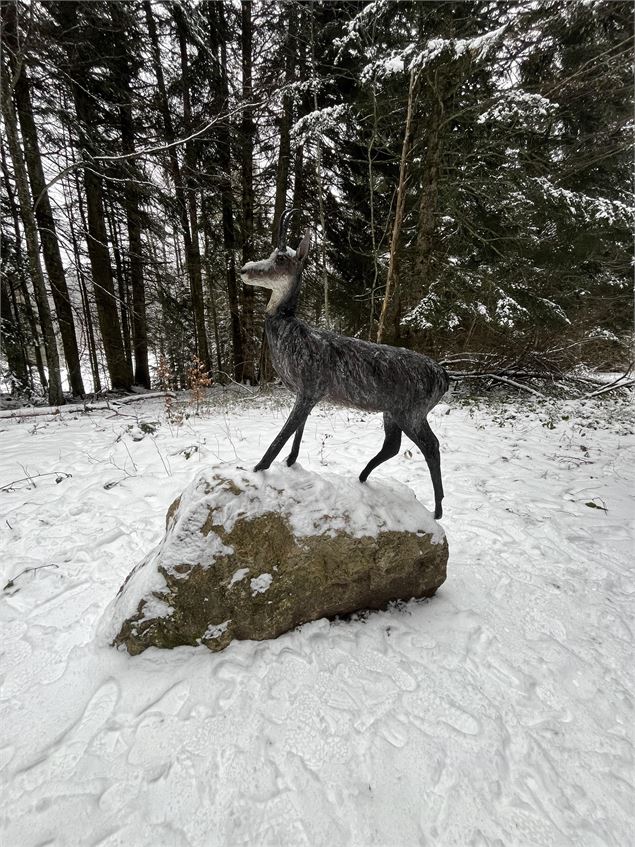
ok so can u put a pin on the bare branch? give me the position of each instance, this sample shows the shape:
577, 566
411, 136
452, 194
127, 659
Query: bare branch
147, 151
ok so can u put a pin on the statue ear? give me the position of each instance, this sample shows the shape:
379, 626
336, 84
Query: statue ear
303, 249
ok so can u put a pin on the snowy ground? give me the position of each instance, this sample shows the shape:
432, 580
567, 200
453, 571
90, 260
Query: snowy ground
497, 713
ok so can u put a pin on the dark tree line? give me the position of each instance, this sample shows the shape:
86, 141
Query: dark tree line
466, 167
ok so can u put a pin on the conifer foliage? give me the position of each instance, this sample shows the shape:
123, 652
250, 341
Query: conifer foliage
466, 167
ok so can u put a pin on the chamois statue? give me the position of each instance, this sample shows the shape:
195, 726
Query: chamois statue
320, 365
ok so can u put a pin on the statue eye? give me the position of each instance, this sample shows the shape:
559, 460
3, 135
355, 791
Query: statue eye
279, 260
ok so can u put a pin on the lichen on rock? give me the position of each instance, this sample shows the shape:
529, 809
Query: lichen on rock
252, 555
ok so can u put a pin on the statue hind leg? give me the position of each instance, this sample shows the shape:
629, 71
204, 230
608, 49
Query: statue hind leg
390, 447
428, 443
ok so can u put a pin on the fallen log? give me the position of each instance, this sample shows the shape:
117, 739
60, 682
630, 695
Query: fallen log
73, 408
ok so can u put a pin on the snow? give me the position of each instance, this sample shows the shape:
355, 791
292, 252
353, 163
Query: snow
216, 630
238, 576
412, 59
590, 209
518, 106
602, 332
498, 712
508, 310
318, 121
261, 583
330, 502
394, 65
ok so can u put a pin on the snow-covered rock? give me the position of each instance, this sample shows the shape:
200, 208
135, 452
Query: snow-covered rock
252, 555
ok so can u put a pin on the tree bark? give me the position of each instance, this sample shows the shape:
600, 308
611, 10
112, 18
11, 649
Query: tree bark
120, 276
133, 223
283, 166
105, 298
192, 251
196, 277
285, 121
212, 292
96, 238
389, 319
443, 86
302, 108
11, 336
48, 234
55, 393
320, 180
428, 199
22, 284
248, 372
88, 318
218, 34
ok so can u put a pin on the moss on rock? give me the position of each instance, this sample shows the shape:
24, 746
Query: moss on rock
267, 579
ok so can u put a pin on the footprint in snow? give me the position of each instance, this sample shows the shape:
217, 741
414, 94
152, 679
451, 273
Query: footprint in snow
61, 759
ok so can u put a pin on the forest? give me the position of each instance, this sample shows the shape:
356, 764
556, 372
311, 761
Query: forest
208, 641
465, 167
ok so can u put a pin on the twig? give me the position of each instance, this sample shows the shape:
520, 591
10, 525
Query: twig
149, 396
611, 386
517, 385
168, 472
26, 570
130, 455
144, 152
8, 486
240, 385
504, 379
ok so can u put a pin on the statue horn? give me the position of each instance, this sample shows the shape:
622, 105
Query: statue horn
282, 231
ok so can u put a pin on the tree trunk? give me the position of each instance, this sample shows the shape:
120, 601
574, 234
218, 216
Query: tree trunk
96, 238
120, 276
135, 257
88, 318
192, 251
389, 319
196, 277
301, 109
370, 155
212, 293
48, 234
22, 284
443, 86
133, 214
428, 199
265, 366
139, 321
90, 335
105, 298
298, 194
285, 121
320, 179
11, 336
247, 135
55, 394
218, 33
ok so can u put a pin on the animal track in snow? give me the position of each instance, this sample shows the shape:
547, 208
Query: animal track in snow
60, 762
498, 713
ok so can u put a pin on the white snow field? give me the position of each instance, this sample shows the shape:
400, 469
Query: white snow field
499, 712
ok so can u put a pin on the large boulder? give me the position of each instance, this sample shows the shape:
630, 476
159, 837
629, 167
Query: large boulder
251, 555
